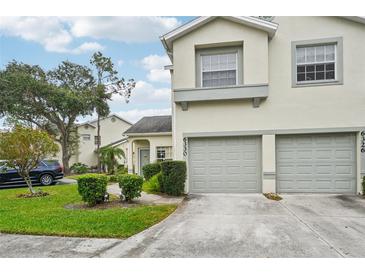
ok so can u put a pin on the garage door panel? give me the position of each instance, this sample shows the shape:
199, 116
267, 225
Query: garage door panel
326, 164
229, 164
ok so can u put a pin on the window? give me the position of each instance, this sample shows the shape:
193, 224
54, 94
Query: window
163, 153
85, 137
219, 70
316, 63
97, 140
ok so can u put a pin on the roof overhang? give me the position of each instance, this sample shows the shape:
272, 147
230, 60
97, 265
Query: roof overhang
148, 134
254, 22
358, 19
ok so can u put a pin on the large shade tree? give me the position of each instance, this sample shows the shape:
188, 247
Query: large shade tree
52, 100
23, 148
107, 84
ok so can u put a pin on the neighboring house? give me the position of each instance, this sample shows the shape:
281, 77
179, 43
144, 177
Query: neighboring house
261, 106
149, 140
111, 132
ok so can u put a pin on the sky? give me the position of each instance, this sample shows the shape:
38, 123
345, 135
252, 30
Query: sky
132, 43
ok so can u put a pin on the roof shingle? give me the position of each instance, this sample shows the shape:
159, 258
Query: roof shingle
151, 124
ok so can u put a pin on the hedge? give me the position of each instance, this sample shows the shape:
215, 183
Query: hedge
152, 185
150, 170
92, 188
131, 186
363, 186
173, 176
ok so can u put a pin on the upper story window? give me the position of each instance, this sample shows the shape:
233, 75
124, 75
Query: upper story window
219, 70
317, 62
86, 137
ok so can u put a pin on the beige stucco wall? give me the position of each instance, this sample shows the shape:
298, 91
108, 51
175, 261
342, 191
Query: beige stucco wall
332, 106
147, 141
255, 51
109, 131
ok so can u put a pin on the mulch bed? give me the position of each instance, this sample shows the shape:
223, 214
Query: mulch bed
110, 204
32, 195
273, 196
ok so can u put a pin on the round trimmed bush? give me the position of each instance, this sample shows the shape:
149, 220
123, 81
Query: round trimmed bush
92, 188
79, 168
172, 178
150, 170
131, 186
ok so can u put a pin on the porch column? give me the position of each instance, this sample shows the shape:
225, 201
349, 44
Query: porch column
130, 156
152, 151
268, 164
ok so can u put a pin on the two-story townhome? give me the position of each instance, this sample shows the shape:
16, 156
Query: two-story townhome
112, 130
269, 105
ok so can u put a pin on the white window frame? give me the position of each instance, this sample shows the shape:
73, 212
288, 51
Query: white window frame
339, 62
167, 150
316, 63
84, 135
201, 68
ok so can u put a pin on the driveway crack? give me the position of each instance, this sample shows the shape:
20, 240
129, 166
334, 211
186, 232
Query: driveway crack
313, 230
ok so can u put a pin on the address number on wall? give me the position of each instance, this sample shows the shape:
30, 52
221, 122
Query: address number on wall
363, 141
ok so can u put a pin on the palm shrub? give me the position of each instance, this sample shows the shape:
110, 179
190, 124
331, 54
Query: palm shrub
92, 188
172, 178
150, 170
109, 157
131, 186
152, 185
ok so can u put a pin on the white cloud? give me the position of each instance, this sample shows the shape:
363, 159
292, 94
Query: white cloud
155, 65
56, 34
134, 115
87, 47
50, 32
122, 28
120, 62
145, 93
47, 31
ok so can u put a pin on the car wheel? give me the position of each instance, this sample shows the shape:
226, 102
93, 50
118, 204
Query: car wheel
46, 179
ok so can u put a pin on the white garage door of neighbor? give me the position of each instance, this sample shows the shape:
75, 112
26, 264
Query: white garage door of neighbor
225, 164
318, 163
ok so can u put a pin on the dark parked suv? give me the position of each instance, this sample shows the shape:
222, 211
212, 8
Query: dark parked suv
46, 173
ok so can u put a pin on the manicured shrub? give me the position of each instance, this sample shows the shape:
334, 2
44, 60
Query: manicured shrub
131, 186
151, 169
79, 168
152, 185
92, 188
363, 186
173, 176
121, 169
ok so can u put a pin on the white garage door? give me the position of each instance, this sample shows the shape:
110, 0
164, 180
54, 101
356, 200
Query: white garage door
316, 163
225, 164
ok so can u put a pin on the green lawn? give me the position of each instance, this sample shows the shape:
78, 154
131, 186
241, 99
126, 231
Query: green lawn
47, 215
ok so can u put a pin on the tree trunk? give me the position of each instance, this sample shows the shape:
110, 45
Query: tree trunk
29, 184
65, 155
98, 144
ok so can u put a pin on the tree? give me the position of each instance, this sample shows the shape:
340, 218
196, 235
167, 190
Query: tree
48, 100
23, 149
109, 157
108, 84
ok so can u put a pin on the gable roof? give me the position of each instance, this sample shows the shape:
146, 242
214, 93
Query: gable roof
270, 27
184, 29
151, 124
109, 116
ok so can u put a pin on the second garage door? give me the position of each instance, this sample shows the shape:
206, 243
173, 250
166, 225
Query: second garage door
225, 165
318, 163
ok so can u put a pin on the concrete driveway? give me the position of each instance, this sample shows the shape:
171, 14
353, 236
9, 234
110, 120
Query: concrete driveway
226, 225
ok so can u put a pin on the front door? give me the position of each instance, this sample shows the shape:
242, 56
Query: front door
144, 158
